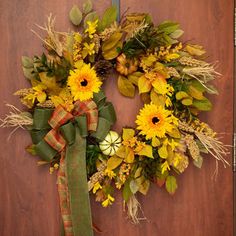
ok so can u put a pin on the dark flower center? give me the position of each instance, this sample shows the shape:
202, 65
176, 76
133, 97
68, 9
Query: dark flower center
127, 64
84, 83
155, 120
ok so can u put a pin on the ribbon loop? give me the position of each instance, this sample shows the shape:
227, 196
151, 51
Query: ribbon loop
62, 132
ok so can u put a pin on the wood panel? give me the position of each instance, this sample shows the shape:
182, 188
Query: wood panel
28, 196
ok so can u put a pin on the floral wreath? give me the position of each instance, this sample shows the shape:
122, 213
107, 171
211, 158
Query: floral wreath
70, 120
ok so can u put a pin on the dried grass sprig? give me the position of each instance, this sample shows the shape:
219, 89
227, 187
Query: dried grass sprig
16, 119
54, 39
133, 209
211, 143
203, 74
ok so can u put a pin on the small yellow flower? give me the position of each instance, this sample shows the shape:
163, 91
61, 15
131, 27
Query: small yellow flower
164, 167
110, 173
131, 146
77, 47
56, 166
108, 201
83, 82
64, 99
96, 187
51, 170
171, 56
39, 94
88, 49
92, 26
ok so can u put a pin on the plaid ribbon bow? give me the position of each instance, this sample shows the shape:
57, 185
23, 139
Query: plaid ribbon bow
60, 117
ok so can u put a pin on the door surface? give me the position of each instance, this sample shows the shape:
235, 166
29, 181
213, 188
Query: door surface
28, 193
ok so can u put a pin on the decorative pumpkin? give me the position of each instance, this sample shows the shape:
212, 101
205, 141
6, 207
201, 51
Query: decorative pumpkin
126, 66
110, 144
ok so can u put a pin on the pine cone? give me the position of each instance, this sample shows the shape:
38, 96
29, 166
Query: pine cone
103, 68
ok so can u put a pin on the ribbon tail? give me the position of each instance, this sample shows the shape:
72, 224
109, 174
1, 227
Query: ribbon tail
78, 187
67, 229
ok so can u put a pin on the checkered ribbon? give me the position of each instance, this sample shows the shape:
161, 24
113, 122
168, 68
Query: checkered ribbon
90, 109
60, 117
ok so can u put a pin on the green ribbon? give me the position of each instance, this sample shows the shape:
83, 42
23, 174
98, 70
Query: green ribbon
78, 188
75, 133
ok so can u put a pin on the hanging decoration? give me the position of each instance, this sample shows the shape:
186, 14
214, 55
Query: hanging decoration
70, 120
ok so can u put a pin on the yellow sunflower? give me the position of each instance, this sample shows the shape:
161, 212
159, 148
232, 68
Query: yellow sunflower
155, 121
83, 82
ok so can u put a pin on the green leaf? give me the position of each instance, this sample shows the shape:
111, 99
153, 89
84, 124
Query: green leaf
127, 191
27, 62
125, 87
171, 184
133, 186
176, 34
187, 101
28, 73
197, 85
181, 95
202, 105
87, 6
108, 18
168, 27
92, 16
198, 162
75, 15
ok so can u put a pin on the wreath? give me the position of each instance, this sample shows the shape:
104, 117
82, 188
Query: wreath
70, 119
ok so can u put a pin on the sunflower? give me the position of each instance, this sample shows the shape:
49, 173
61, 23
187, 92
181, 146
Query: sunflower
155, 121
83, 82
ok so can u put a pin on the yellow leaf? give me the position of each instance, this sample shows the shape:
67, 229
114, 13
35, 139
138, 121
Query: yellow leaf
172, 56
50, 83
113, 52
160, 85
113, 162
134, 77
144, 85
157, 99
121, 152
195, 50
138, 172
130, 156
174, 133
156, 142
146, 151
181, 95
111, 42
187, 101
34, 82
162, 151
195, 93
128, 134
143, 185
125, 87
145, 98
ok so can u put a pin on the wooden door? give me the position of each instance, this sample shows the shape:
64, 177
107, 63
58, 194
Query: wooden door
28, 194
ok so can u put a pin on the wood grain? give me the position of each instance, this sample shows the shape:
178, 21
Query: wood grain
28, 196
